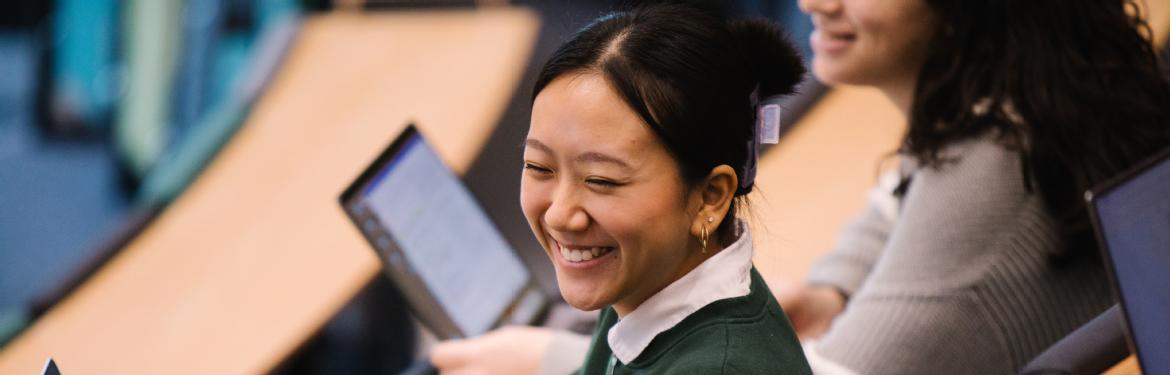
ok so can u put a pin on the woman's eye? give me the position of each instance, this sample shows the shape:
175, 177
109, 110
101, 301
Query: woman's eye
602, 183
536, 168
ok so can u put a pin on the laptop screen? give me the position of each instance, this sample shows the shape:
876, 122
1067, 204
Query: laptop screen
1134, 223
414, 202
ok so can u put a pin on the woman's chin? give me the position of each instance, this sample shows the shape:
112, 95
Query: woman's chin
583, 297
585, 305
835, 70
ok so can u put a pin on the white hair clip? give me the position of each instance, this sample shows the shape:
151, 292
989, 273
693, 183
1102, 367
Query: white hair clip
767, 130
768, 126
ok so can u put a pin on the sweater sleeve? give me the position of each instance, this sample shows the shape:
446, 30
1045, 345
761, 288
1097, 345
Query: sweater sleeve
860, 242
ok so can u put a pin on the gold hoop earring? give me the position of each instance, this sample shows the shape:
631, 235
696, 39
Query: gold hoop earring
703, 240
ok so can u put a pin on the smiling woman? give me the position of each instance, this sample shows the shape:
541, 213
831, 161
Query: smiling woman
640, 149
597, 182
872, 43
979, 254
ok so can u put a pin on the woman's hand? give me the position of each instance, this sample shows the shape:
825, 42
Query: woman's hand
508, 350
811, 309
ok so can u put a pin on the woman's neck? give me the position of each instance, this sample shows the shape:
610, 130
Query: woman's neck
624, 308
901, 93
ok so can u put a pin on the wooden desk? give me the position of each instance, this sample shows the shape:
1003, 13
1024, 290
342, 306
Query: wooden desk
257, 255
816, 178
1127, 367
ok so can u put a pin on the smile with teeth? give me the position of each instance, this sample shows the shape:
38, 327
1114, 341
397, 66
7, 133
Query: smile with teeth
583, 254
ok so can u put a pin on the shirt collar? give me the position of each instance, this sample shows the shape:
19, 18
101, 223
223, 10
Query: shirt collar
723, 275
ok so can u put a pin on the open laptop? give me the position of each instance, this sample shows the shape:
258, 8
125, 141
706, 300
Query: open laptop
1131, 215
457, 272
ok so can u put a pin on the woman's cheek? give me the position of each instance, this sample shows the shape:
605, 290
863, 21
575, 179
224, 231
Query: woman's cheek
533, 201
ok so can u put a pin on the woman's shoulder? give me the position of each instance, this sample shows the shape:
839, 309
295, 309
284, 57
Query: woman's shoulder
734, 348
986, 165
989, 152
743, 335
960, 220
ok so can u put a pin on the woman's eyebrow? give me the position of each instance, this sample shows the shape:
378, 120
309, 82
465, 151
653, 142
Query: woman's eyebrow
537, 145
587, 157
597, 157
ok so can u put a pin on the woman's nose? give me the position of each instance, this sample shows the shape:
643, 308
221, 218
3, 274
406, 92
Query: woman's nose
566, 214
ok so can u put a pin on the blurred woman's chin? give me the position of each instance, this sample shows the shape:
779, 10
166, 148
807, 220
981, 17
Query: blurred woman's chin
831, 70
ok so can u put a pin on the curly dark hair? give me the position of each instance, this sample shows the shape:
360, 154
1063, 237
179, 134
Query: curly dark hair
1072, 85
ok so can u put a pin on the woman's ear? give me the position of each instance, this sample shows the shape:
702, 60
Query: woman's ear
715, 196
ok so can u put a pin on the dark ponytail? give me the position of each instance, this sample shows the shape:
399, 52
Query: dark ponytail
693, 75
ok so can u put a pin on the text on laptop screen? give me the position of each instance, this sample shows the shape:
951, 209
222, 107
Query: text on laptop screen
448, 240
1134, 220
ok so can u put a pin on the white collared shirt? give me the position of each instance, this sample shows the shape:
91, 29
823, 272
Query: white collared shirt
723, 275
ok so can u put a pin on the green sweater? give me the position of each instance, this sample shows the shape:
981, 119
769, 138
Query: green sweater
742, 335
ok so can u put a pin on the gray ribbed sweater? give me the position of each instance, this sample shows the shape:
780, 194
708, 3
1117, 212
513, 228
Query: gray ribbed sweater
958, 280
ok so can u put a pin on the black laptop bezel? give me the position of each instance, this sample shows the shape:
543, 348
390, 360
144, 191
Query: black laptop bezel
423, 303
1091, 198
